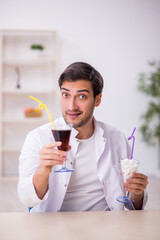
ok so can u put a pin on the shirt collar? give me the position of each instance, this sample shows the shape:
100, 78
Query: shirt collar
97, 128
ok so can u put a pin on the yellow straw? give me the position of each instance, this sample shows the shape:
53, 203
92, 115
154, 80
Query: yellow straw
41, 106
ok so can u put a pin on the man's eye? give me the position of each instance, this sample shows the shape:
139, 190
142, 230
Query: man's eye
82, 96
65, 95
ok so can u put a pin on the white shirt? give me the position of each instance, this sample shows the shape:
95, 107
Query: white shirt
111, 147
85, 191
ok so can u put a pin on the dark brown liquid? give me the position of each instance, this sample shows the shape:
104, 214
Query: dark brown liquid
62, 136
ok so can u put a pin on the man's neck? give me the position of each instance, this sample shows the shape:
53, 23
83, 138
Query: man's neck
85, 131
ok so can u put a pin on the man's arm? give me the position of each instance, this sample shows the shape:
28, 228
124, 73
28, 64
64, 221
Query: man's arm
136, 185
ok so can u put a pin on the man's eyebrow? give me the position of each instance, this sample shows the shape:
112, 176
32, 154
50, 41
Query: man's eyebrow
81, 90
65, 89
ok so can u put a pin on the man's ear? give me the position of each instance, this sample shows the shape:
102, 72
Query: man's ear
98, 100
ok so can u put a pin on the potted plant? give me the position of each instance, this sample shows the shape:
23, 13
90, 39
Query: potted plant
149, 84
37, 49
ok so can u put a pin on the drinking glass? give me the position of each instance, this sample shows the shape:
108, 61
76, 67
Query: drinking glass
62, 133
128, 166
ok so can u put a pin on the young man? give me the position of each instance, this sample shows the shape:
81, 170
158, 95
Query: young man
95, 153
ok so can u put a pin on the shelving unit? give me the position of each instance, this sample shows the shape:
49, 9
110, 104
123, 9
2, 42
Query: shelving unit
23, 74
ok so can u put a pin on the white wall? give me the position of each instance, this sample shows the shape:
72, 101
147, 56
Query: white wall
116, 37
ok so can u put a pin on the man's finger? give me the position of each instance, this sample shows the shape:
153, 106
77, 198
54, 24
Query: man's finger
52, 163
52, 145
57, 152
139, 175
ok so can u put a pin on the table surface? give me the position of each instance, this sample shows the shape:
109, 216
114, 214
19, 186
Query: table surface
126, 225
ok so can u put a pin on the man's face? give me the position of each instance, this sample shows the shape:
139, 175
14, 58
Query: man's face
77, 102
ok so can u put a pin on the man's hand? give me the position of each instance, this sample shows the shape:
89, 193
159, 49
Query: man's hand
49, 156
136, 185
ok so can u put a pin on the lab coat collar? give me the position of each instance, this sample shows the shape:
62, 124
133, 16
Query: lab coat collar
97, 129
100, 140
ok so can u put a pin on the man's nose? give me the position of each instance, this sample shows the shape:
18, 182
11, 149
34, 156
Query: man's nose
72, 104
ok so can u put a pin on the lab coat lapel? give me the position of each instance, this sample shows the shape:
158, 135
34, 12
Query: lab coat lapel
111, 173
74, 146
100, 141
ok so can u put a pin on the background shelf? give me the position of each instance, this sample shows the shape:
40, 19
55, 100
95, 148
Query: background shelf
29, 120
23, 73
27, 92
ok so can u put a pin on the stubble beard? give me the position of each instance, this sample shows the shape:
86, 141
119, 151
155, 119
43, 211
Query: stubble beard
83, 121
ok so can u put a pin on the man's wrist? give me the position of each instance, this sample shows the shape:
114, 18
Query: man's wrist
44, 170
41, 181
138, 200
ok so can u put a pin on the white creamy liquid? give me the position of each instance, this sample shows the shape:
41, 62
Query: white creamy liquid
128, 167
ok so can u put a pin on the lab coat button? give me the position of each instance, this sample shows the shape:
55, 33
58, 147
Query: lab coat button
65, 185
71, 163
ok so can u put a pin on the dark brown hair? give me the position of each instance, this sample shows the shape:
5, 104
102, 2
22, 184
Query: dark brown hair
81, 70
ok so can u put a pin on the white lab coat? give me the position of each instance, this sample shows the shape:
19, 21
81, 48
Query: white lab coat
111, 147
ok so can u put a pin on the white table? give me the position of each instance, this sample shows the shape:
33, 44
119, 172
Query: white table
121, 225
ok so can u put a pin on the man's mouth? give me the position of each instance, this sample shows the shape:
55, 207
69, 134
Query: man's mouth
73, 115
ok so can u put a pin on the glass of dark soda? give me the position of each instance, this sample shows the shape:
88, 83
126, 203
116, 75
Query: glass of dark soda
62, 134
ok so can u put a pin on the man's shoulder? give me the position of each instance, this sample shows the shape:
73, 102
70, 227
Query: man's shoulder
41, 128
108, 127
46, 127
110, 131
42, 135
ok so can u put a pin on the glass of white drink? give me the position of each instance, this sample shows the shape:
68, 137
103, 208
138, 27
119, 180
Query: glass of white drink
128, 166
